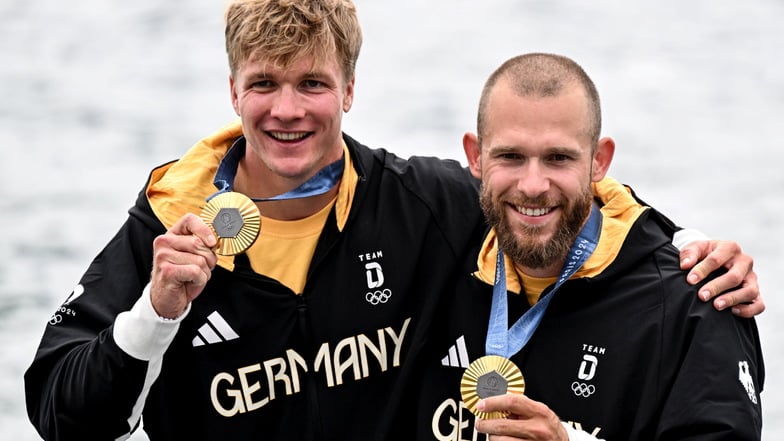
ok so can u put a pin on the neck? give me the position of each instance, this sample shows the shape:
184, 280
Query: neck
294, 209
262, 183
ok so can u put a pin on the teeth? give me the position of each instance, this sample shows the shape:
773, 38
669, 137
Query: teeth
286, 136
534, 211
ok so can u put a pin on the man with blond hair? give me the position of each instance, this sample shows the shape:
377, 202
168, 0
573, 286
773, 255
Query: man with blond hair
316, 330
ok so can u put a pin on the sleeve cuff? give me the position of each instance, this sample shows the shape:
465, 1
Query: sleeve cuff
578, 435
685, 236
141, 333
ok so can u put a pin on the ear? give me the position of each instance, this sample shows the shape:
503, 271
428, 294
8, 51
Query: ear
605, 149
348, 96
233, 92
473, 154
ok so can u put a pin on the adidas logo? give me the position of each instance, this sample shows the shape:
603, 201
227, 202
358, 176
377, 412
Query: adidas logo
216, 330
458, 355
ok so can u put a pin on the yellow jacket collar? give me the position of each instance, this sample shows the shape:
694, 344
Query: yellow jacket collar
619, 212
183, 186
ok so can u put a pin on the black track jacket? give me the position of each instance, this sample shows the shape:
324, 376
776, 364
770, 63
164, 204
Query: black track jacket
252, 360
625, 351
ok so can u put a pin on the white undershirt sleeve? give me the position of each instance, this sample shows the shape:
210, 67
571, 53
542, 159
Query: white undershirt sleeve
144, 335
683, 237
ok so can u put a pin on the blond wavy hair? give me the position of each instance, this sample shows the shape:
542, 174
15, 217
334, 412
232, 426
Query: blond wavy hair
284, 31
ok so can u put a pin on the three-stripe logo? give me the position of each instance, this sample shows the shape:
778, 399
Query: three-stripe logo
216, 330
458, 355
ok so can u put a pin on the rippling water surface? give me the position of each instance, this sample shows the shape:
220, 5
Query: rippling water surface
96, 95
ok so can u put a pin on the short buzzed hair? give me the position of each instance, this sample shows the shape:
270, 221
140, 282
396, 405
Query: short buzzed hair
284, 31
543, 75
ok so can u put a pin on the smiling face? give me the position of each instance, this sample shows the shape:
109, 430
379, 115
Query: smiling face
536, 163
291, 117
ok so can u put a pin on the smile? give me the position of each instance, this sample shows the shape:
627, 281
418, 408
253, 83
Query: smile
288, 136
533, 212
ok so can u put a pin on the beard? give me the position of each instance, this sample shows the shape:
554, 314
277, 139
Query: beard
527, 245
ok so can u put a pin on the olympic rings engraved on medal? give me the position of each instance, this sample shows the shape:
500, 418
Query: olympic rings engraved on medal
582, 389
376, 297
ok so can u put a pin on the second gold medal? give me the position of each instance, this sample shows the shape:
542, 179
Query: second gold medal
489, 376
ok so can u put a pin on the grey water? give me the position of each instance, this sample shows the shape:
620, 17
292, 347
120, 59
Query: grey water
97, 93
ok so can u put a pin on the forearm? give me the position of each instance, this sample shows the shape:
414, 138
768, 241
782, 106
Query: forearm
89, 392
101, 385
84, 380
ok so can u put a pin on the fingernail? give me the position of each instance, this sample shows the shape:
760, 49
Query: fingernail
704, 295
736, 310
720, 304
480, 406
686, 261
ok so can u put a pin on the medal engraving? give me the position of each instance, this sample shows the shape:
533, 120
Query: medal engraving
236, 221
491, 384
489, 376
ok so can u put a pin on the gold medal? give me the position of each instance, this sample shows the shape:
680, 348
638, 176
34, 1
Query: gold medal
489, 376
236, 221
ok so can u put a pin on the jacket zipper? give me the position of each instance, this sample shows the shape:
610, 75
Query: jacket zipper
315, 429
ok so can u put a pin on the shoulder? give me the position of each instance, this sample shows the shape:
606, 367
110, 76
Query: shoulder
440, 192
420, 174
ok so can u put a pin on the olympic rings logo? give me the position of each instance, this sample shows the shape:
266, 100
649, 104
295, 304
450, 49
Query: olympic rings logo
376, 297
582, 389
57, 317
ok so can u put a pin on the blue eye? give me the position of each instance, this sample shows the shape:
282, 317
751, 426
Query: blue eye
262, 84
312, 84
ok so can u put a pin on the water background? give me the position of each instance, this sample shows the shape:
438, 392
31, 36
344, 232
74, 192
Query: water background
95, 93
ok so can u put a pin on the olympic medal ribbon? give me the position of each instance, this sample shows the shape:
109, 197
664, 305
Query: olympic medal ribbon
320, 183
495, 373
235, 218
